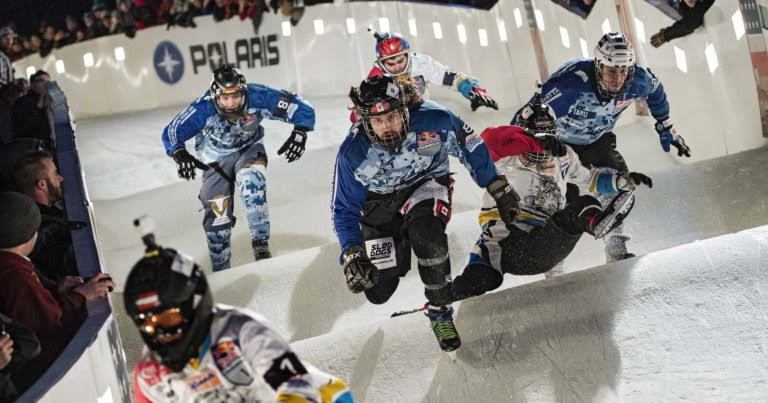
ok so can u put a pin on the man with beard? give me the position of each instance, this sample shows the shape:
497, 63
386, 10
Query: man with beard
36, 176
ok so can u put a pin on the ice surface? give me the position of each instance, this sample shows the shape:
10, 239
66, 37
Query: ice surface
617, 332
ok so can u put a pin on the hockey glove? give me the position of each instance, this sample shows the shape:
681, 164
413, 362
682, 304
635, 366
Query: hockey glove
657, 39
506, 199
631, 180
295, 145
668, 136
553, 144
187, 163
478, 97
360, 272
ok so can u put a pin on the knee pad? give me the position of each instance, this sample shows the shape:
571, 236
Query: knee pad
252, 184
383, 290
427, 237
218, 213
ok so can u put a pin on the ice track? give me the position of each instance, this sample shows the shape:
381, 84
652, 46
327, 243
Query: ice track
613, 332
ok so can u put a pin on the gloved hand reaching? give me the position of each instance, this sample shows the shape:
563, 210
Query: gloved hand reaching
295, 145
360, 272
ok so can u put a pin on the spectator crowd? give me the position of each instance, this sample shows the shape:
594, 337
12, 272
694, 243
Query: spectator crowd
128, 16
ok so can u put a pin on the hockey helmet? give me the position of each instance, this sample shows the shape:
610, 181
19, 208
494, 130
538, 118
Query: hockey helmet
378, 96
167, 297
615, 51
390, 45
540, 122
228, 80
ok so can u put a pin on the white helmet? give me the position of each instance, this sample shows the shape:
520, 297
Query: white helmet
614, 50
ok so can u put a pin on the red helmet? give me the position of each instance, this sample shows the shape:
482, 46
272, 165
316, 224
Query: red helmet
391, 44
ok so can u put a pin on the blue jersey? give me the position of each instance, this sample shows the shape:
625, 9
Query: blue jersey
434, 134
216, 137
583, 117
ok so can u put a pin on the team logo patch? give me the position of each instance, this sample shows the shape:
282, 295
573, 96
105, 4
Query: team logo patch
204, 381
428, 143
229, 359
219, 206
547, 168
148, 300
380, 107
382, 252
551, 95
473, 141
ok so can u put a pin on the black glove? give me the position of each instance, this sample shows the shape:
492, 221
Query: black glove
506, 199
657, 39
187, 164
631, 180
553, 144
478, 97
295, 145
360, 272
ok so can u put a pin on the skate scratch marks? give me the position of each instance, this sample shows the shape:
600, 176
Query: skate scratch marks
562, 374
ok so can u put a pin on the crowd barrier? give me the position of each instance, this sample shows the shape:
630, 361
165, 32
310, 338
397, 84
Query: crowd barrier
92, 366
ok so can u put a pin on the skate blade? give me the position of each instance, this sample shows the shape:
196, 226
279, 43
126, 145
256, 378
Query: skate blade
452, 355
605, 226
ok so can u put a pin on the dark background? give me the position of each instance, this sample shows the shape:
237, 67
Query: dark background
27, 14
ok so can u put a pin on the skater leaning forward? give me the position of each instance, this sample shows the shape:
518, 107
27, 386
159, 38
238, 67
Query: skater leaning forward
392, 194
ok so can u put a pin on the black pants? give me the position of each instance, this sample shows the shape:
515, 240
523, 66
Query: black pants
601, 153
503, 250
414, 223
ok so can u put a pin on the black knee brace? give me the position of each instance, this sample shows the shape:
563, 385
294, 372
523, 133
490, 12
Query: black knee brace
430, 245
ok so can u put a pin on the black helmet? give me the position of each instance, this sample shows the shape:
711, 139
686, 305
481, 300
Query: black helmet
162, 281
540, 122
380, 95
229, 80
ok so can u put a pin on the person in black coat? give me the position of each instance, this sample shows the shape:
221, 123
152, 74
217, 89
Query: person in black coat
692, 13
18, 345
30, 112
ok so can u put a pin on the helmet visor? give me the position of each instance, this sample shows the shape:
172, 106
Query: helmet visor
164, 326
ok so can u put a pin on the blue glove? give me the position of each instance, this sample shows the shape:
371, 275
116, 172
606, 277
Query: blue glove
668, 136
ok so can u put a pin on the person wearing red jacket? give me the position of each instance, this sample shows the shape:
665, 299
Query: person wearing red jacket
54, 311
548, 177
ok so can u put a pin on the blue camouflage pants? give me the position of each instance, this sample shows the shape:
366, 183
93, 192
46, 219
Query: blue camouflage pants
245, 171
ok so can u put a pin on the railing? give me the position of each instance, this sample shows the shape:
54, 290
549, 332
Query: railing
99, 331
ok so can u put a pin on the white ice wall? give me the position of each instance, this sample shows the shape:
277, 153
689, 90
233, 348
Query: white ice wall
716, 112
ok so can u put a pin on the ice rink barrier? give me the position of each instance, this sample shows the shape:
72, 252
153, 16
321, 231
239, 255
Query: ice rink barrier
92, 366
714, 102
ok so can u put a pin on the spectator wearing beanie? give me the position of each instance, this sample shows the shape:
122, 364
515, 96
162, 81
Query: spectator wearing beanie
54, 313
36, 176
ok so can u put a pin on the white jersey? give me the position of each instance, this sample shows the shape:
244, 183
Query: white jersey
243, 359
541, 186
424, 69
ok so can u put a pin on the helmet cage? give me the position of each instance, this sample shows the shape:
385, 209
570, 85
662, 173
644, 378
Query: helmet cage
378, 96
613, 50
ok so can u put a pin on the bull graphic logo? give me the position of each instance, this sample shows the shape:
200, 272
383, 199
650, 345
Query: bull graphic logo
219, 206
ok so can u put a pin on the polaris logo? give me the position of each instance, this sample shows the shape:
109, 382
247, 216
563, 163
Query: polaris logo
244, 53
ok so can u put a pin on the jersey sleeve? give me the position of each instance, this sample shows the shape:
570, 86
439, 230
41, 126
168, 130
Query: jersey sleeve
187, 124
347, 198
600, 181
440, 74
469, 147
557, 92
281, 105
656, 97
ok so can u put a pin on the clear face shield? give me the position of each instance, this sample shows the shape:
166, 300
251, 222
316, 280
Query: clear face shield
397, 65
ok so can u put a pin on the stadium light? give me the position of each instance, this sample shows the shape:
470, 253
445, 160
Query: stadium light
565, 38
319, 27
119, 54
286, 25
412, 27
88, 59
462, 32
351, 25
483, 34
437, 30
